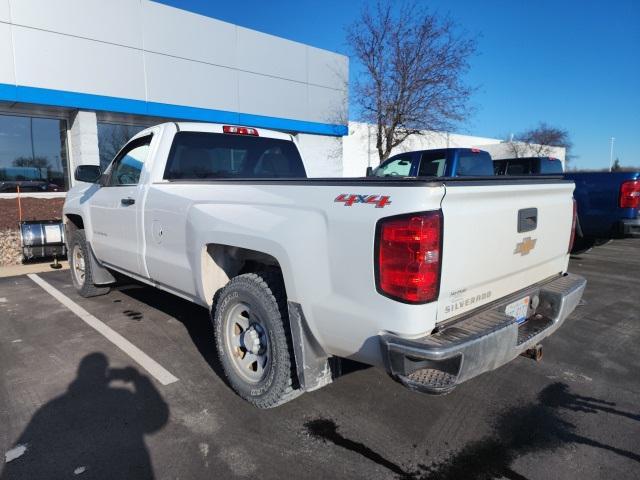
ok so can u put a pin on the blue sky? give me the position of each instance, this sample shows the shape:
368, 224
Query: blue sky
571, 63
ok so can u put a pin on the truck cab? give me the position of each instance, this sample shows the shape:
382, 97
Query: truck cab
441, 162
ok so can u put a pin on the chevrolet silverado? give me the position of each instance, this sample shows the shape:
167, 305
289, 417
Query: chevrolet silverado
436, 280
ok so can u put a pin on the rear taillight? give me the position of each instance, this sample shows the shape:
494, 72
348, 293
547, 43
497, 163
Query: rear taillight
574, 221
240, 130
408, 257
630, 194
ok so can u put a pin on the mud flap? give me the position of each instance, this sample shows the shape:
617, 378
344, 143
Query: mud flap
313, 364
101, 276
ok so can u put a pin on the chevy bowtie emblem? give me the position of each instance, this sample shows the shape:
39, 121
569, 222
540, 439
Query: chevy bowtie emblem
525, 246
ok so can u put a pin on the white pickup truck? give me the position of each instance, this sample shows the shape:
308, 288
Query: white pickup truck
435, 280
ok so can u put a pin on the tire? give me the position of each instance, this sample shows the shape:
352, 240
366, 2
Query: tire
599, 242
250, 325
582, 245
80, 267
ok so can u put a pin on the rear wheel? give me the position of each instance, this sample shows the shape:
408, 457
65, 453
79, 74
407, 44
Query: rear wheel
252, 340
80, 266
602, 241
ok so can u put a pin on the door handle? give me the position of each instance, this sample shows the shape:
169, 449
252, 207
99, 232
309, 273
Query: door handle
127, 201
527, 219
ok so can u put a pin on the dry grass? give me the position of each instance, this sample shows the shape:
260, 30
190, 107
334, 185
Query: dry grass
10, 251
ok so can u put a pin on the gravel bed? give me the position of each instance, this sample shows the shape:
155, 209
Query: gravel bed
10, 251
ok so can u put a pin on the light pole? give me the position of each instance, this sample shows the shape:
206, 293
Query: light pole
611, 154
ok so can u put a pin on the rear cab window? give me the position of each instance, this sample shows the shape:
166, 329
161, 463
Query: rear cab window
473, 163
207, 155
519, 166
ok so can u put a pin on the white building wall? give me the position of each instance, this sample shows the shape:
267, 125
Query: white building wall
322, 155
7, 70
45, 59
146, 51
503, 150
4, 11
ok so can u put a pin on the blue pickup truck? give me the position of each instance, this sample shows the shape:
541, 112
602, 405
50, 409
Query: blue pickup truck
442, 162
608, 203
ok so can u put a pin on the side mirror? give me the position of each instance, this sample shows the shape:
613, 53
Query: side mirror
369, 172
88, 173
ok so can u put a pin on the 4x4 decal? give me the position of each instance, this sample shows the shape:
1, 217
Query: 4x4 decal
380, 201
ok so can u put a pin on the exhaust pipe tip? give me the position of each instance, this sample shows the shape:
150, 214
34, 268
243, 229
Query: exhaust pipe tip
534, 353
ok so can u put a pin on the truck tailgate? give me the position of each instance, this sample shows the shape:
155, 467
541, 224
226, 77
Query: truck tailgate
485, 256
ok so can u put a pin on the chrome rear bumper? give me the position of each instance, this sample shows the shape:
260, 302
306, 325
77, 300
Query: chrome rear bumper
481, 342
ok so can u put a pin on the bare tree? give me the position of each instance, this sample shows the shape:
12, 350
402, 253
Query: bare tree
540, 141
414, 62
33, 162
616, 167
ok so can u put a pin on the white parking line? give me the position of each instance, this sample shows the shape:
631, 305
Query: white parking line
145, 361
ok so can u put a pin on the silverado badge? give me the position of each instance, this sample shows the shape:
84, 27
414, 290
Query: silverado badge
525, 246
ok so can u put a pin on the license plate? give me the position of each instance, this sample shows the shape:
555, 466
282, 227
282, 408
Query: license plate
518, 309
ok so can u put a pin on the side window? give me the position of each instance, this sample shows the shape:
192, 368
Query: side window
397, 167
432, 165
126, 168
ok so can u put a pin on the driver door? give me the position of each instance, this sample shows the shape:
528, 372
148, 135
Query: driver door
116, 210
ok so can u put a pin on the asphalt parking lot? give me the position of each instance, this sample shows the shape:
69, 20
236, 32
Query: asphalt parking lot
72, 404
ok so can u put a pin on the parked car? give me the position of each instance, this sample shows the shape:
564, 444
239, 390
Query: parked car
608, 203
297, 271
442, 162
13, 186
26, 179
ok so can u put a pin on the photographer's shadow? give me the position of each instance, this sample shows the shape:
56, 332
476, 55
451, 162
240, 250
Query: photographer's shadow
95, 428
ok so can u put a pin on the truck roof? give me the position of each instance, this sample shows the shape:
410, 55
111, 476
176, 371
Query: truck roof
218, 128
445, 149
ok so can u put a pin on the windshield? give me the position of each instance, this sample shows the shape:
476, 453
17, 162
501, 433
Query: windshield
394, 167
550, 165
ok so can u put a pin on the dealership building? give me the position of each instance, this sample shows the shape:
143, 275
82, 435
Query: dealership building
78, 77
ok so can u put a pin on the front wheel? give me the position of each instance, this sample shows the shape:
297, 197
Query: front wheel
80, 266
252, 341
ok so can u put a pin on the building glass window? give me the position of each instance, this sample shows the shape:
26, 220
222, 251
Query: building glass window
33, 154
111, 138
